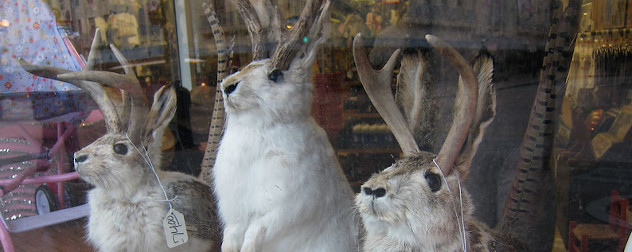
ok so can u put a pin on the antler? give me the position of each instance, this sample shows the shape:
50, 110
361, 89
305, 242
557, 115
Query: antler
95, 90
377, 85
126, 82
265, 26
466, 105
312, 15
259, 20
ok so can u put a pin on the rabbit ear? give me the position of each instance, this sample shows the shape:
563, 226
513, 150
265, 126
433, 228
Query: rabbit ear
483, 66
162, 111
415, 99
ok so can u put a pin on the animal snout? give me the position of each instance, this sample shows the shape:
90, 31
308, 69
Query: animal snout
377, 192
230, 88
81, 158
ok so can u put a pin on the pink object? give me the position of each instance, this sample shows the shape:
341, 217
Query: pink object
37, 117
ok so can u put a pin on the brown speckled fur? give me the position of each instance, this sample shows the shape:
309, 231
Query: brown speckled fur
411, 213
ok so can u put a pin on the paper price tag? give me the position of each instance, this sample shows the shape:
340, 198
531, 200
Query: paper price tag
175, 229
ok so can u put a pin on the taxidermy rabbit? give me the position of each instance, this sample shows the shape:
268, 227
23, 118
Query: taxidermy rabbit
131, 196
277, 179
418, 204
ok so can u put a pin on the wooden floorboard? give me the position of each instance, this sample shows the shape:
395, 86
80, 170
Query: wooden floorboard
69, 236
66, 237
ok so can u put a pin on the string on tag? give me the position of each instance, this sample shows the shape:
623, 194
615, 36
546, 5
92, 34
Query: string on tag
462, 219
174, 224
145, 157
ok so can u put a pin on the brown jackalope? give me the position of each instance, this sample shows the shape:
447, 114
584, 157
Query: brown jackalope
278, 183
131, 195
418, 203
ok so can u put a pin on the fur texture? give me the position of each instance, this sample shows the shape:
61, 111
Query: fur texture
412, 206
278, 182
277, 179
414, 98
410, 217
127, 205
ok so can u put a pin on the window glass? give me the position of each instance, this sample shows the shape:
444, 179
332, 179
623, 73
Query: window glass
562, 95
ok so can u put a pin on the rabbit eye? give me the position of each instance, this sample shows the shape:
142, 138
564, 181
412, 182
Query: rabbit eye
120, 149
434, 181
230, 88
276, 75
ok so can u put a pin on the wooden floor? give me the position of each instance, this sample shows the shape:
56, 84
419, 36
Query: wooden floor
67, 237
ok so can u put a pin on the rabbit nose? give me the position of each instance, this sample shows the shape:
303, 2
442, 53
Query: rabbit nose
81, 159
377, 193
230, 88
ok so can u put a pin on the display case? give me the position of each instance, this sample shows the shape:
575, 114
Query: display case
554, 161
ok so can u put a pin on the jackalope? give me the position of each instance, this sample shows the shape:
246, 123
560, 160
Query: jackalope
131, 194
418, 204
278, 183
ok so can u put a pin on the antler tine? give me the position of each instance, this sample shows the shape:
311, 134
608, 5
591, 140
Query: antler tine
466, 105
319, 32
94, 50
133, 92
126, 82
135, 105
111, 117
258, 31
95, 90
377, 85
122, 60
42, 71
313, 14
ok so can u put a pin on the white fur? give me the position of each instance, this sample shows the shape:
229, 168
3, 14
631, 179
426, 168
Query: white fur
116, 225
128, 203
410, 217
277, 179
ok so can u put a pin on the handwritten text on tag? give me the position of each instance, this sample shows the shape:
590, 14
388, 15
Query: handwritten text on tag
175, 229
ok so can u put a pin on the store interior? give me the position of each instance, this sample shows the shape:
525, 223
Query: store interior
586, 171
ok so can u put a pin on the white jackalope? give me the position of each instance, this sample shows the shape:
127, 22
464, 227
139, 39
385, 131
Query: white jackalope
277, 179
128, 202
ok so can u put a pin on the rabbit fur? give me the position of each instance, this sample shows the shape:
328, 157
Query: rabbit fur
419, 209
278, 183
127, 204
410, 217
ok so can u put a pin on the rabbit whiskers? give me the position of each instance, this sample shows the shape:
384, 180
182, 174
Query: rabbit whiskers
462, 221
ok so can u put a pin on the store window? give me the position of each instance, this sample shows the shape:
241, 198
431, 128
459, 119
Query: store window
562, 99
